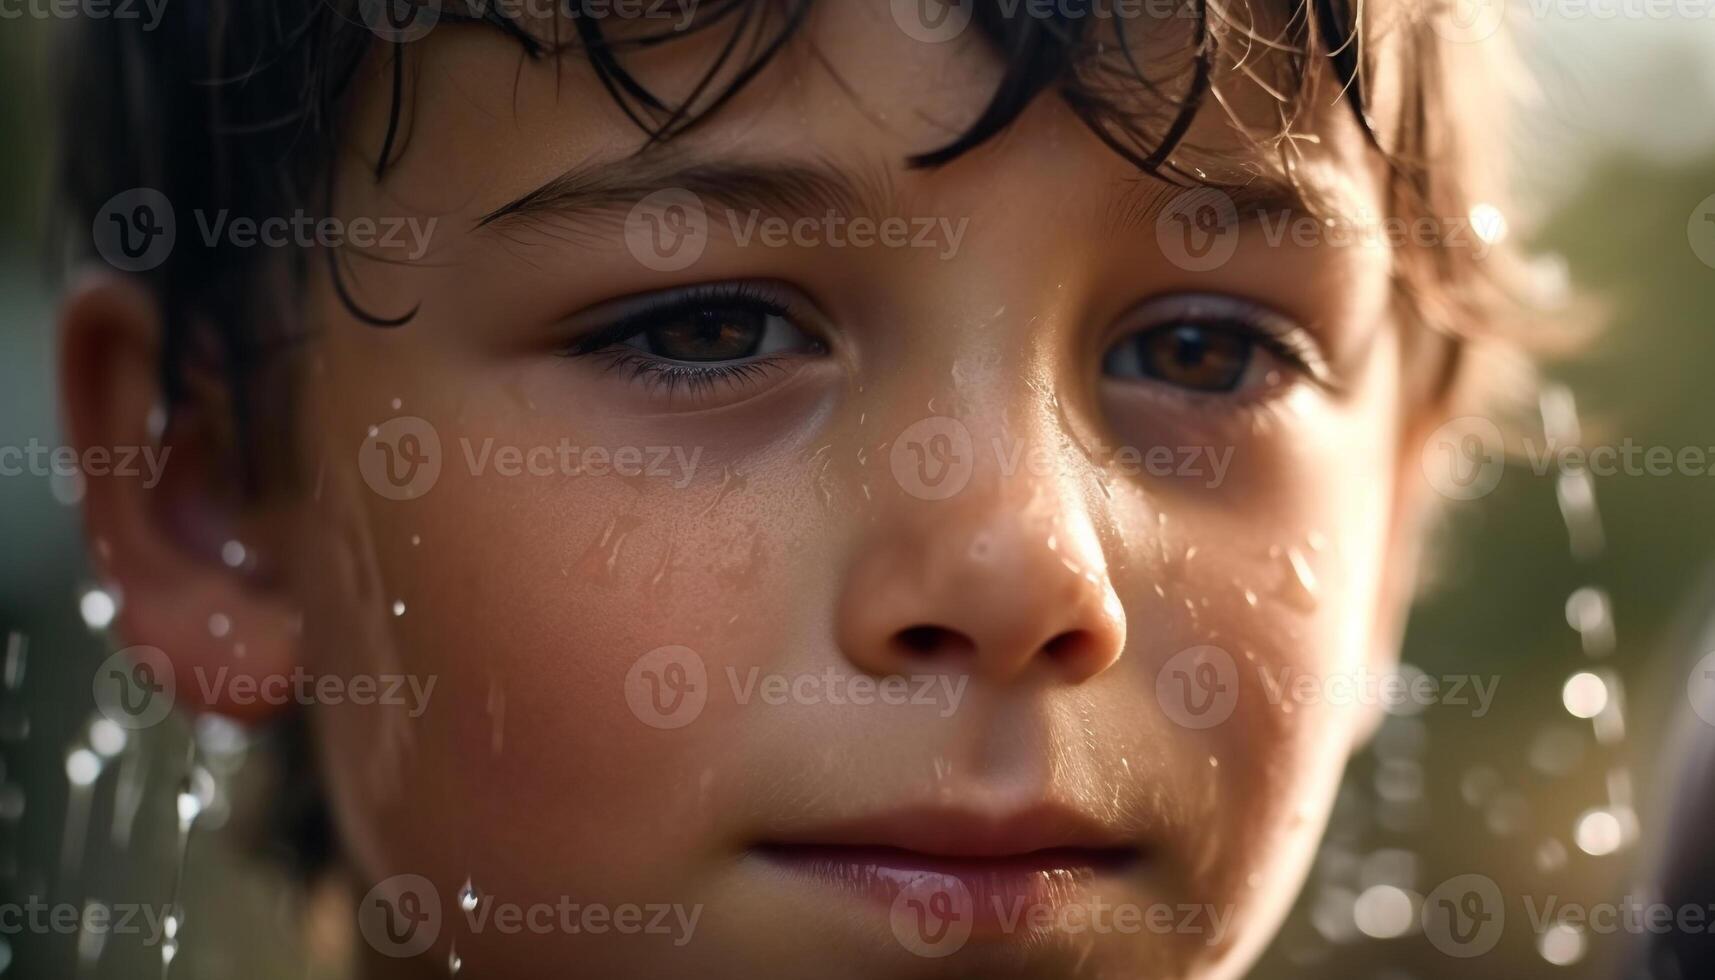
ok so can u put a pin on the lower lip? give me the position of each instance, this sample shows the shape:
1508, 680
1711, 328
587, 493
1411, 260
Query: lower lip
999, 896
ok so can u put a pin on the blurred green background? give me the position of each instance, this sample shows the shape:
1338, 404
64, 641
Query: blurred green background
1616, 154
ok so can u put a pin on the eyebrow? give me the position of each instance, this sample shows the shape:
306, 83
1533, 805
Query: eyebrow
775, 187
793, 188
1142, 204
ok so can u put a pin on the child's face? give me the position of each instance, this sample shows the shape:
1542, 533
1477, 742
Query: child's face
932, 458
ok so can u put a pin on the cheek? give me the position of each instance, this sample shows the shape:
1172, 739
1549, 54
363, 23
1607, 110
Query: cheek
1258, 593
568, 591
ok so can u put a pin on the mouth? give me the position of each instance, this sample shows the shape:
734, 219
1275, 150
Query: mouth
1003, 875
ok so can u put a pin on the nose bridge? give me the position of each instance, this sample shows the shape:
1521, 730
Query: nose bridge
986, 555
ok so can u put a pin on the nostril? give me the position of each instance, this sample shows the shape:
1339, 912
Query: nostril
929, 641
1068, 646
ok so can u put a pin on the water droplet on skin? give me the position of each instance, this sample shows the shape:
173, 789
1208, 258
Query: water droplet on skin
601, 560
663, 571
1250, 598
731, 482
1297, 588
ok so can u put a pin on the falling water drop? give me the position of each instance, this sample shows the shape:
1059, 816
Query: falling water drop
398, 607
469, 896
17, 645
1561, 944
454, 963
1590, 613
97, 606
83, 768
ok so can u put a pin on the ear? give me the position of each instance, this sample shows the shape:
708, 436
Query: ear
163, 511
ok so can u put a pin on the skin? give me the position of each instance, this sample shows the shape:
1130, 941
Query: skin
1058, 593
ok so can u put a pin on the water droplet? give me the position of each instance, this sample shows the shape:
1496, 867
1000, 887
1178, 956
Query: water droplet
731, 482
1599, 832
17, 647
1561, 944
97, 607
469, 896
233, 553
398, 607
1297, 588
83, 767
219, 625
1585, 695
106, 738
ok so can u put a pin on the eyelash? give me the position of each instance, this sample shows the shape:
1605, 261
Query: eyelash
667, 377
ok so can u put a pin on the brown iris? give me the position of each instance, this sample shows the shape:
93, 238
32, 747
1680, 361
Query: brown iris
1201, 358
709, 335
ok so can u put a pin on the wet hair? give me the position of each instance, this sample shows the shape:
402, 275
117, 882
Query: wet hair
244, 106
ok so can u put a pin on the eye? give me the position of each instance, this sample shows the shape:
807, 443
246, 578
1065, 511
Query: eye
1210, 344
728, 335
1191, 355
715, 332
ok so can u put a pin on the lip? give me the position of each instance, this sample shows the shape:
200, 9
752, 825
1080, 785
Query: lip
1002, 874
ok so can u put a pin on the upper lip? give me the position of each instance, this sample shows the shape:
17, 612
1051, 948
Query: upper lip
962, 833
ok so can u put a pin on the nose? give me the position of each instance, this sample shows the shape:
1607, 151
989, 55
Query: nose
988, 584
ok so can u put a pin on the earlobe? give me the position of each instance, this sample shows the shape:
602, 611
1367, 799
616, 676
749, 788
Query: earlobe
159, 506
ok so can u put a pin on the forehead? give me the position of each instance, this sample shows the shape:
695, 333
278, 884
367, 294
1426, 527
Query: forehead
858, 84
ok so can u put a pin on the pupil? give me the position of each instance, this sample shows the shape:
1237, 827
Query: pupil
710, 335
1190, 346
